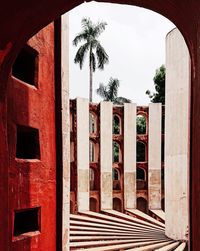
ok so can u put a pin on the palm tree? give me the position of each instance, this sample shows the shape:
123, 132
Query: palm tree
110, 92
97, 55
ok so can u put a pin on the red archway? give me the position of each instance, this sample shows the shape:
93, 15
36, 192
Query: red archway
21, 20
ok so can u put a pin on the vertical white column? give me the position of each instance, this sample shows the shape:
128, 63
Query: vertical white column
154, 156
65, 130
106, 154
177, 136
130, 156
82, 113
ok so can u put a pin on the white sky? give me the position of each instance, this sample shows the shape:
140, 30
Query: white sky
134, 39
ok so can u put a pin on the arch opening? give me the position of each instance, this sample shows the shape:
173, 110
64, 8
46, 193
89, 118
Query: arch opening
117, 204
116, 124
141, 152
116, 179
141, 174
116, 152
93, 205
92, 123
93, 179
142, 204
141, 124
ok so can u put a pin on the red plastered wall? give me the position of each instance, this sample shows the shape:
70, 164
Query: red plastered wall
32, 182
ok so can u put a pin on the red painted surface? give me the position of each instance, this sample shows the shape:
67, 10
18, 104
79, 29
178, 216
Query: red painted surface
25, 18
32, 183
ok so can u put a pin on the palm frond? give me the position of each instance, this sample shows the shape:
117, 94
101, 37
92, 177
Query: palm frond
121, 100
102, 56
102, 92
99, 28
81, 54
82, 36
86, 22
113, 86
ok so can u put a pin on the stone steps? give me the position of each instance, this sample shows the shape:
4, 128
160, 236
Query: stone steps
115, 247
144, 218
102, 237
114, 216
159, 213
113, 221
112, 230
150, 247
169, 247
181, 247
88, 225
134, 241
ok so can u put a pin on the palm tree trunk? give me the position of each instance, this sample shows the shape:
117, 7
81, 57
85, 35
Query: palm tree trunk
91, 75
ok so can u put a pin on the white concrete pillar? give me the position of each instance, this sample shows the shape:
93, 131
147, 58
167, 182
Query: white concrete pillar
130, 197
154, 156
65, 130
177, 117
106, 154
82, 114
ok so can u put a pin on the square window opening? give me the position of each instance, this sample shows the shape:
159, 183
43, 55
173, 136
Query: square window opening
28, 146
25, 67
26, 220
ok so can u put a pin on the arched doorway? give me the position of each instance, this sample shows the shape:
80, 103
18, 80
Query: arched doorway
116, 179
116, 152
116, 124
141, 151
142, 204
117, 204
140, 174
14, 26
93, 205
93, 180
141, 122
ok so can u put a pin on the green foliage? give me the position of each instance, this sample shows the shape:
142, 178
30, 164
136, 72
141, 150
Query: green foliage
110, 92
89, 34
115, 152
141, 124
159, 83
116, 125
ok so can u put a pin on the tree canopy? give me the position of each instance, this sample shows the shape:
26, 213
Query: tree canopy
109, 92
141, 124
159, 83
